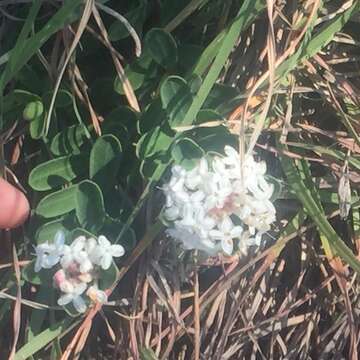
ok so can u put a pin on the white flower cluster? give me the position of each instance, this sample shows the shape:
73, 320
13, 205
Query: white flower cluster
80, 264
217, 202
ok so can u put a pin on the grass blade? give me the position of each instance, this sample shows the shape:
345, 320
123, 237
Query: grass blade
305, 196
249, 10
41, 340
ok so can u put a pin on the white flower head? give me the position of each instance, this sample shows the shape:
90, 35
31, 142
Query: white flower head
105, 251
226, 233
77, 253
203, 202
192, 241
48, 255
80, 265
73, 295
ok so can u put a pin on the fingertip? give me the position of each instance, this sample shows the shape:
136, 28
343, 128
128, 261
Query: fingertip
14, 206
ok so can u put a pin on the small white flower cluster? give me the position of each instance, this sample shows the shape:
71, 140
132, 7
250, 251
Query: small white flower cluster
217, 202
80, 264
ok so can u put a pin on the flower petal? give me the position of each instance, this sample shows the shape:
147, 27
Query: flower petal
171, 213
257, 239
59, 238
106, 261
80, 288
226, 225
216, 234
231, 153
197, 196
78, 244
49, 261
117, 250
192, 181
227, 245
79, 304
65, 299
103, 241
236, 232
90, 245
86, 265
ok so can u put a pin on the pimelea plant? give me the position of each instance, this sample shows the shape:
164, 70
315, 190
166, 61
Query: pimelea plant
79, 267
219, 201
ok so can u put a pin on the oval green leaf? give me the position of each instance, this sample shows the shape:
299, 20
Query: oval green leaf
63, 99
186, 153
69, 140
105, 160
47, 231
90, 210
37, 127
108, 277
43, 278
162, 47
154, 141
55, 173
136, 72
58, 203
33, 110
176, 99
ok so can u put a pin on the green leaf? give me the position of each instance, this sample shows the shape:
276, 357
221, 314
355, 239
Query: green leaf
69, 140
38, 316
153, 142
33, 110
214, 139
121, 122
56, 173
18, 98
137, 73
152, 167
176, 99
63, 98
111, 229
207, 115
147, 354
37, 127
136, 17
194, 82
153, 116
186, 153
58, 203
40, 341
90, 210
81, 232
188, 56
43, 277
219, 95
105, 161
108, 277
47, 231
161, 47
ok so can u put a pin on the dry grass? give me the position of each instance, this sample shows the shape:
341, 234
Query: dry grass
292, 299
